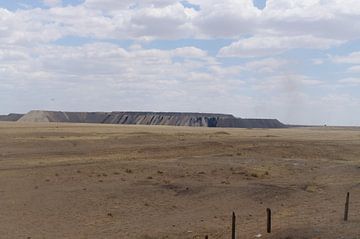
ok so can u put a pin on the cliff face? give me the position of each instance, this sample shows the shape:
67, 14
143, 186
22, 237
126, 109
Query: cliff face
151, 118
249, 123
162, 118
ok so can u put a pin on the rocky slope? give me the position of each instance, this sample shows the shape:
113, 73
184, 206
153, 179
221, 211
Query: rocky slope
11, 117
151, 118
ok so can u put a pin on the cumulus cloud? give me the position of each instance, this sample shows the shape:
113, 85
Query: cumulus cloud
111, 5
34, 66
225, 18
168, 22
189, 52
47, 25
266, 65
170, 75
23, 27
269, 45
327, 21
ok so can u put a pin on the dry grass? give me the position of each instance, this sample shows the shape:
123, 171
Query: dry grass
111, 181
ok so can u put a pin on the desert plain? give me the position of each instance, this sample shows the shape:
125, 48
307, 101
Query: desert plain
63, 180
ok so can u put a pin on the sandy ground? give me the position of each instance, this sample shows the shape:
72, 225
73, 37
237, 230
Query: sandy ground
104, 181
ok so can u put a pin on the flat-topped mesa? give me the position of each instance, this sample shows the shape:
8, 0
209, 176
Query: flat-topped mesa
11, 117
165, 118
151, 118
249, 123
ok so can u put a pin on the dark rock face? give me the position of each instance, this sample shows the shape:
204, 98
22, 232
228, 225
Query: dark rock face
11, 117
164, 118
250, 123
151, 118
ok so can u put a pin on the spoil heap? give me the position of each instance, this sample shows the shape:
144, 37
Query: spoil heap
151, 118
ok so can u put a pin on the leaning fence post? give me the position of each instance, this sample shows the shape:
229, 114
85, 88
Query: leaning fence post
346, 213
233, 225
268, 211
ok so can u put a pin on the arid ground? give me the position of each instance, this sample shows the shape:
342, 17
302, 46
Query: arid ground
152, 182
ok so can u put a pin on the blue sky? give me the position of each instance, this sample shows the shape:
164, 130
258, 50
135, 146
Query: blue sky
298, 61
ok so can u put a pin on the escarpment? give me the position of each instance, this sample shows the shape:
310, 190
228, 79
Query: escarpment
150, 118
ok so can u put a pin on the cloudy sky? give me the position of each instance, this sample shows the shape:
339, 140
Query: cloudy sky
295, 60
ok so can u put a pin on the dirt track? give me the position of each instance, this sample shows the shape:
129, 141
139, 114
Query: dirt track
103, 181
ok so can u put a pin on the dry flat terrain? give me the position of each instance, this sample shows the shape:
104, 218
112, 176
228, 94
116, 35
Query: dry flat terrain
153, 182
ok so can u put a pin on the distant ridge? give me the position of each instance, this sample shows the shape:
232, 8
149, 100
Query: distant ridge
11, 117
150, 118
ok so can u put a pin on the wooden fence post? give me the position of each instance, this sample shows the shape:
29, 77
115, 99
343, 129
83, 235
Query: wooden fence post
346, 213
268, 211
233, 225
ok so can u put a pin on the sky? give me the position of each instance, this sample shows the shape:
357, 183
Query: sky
294, 60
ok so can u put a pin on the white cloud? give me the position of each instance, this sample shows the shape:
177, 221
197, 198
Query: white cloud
350, 81
327, 19
12, 54
52, 3
318, 61
189, 52
173, 75
266, 65
103, 76
225, 18
324, 21
352, 58
270, 45
354, 69
22, 27
167, 22
45, 25
290, 83
114, 5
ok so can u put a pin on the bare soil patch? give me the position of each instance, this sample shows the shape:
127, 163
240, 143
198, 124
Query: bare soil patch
113, 181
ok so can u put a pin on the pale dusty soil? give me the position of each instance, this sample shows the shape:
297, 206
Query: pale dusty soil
103, 181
